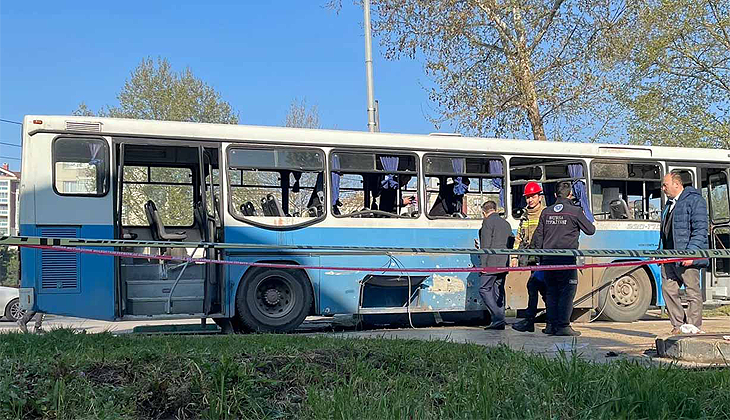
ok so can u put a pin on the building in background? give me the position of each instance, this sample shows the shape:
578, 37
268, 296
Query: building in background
9, 198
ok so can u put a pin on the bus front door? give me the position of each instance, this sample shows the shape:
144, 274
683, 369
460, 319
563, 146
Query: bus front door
716, 191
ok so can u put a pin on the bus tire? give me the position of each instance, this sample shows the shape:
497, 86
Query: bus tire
628, 298
273, 300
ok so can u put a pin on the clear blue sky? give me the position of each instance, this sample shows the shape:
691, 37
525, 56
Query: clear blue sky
259, 54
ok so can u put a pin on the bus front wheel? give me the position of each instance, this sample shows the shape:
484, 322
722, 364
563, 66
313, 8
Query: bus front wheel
627, 296
273, 300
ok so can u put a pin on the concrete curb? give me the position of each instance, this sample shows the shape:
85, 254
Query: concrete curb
701, 348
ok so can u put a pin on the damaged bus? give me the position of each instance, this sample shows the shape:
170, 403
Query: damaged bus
103, 178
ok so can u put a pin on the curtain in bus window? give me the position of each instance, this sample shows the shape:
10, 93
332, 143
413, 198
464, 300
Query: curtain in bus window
495, 168
390, 163
548, 190
459, 165
335, 179
579, 189
316, 199
297, 177
94, 148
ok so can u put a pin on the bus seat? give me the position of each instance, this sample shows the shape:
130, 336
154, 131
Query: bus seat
248, 209
201, 220
271, 206
265, 207
157, 227
619, 209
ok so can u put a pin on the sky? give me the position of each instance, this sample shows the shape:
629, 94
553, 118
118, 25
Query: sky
260, 55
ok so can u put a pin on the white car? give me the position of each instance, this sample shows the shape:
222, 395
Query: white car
10, 303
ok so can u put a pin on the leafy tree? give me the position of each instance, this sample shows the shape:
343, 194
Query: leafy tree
507, 67
154, 91
677, 58
302, 117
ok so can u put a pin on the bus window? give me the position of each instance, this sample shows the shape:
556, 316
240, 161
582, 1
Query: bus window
80, 166
275, 187
170, 188
374, 184
456, 186
623, 190
548, 173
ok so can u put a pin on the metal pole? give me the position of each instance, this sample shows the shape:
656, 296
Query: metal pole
372, 125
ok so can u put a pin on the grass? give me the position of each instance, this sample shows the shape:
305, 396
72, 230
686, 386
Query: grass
719, 311
64, 375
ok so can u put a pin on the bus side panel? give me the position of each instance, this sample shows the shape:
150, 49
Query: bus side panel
612, 235
69, 283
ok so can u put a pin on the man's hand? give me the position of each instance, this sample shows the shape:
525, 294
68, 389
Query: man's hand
514, 262
687, 263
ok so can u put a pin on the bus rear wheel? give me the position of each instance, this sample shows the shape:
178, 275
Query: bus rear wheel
273, 300
627, 298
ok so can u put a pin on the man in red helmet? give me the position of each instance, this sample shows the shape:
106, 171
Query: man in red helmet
536, 283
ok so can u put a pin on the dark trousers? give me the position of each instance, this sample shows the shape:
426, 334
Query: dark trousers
492, 293
535, 288
561, 287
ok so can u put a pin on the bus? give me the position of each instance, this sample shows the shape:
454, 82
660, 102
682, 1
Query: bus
104, 178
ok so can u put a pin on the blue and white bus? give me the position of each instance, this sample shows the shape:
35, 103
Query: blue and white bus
102, 178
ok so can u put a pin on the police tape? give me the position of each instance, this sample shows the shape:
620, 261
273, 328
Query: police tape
365, 250
487, 270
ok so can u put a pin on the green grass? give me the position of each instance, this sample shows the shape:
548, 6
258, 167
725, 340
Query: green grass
719, 311
69, 376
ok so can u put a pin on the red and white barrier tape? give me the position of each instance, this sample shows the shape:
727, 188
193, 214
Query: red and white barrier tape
366, 269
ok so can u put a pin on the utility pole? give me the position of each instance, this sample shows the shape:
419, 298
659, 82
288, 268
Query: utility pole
373, 123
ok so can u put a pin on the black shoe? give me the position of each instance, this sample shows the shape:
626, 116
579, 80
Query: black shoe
566, 331
526, 325
548, 330
497, 326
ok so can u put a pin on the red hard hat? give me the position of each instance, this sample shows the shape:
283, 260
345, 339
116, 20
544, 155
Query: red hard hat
532, 188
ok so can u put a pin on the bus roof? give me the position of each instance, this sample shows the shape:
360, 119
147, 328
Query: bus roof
120, 127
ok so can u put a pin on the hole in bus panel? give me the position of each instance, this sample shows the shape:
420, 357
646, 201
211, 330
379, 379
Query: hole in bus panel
161, 201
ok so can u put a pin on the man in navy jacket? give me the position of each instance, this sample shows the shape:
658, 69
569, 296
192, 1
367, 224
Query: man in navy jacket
684, 226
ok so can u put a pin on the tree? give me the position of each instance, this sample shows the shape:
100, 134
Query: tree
154, 91
677, 55
508, 67
302, 117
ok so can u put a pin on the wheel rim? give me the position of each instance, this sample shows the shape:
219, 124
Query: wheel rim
16, 312
275, 296
626, 291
